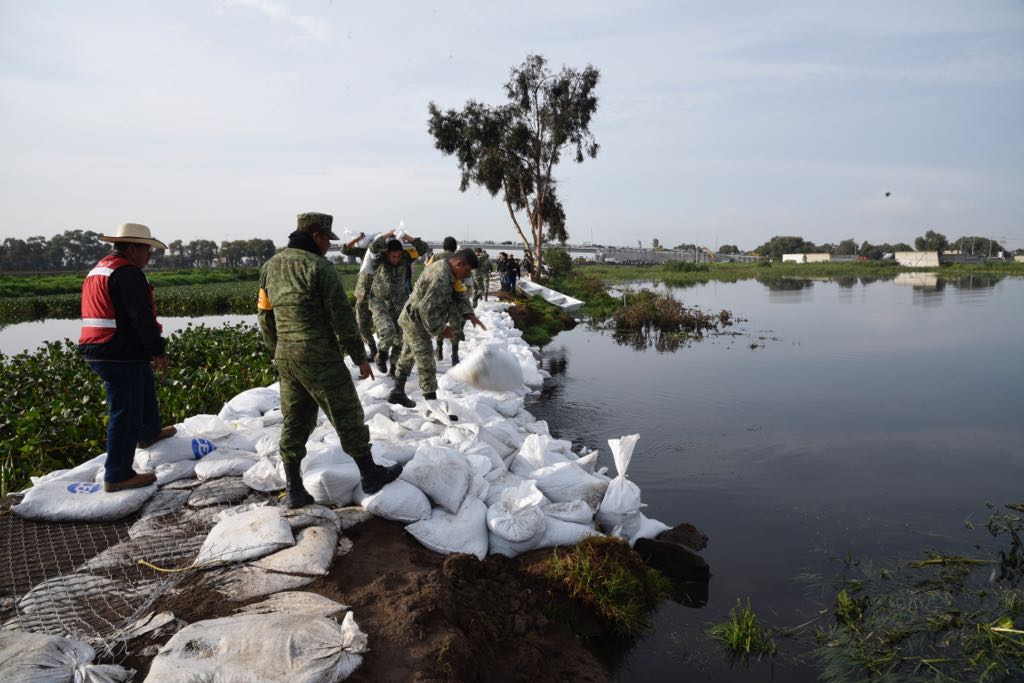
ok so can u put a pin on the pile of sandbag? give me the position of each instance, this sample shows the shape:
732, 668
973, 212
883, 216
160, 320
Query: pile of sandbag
493, 481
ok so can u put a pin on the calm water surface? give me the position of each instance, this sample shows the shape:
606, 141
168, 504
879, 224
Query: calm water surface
871, 420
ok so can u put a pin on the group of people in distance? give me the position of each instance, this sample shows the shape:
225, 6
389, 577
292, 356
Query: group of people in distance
307, 325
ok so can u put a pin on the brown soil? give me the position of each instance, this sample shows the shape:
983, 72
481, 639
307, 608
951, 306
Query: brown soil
436, 618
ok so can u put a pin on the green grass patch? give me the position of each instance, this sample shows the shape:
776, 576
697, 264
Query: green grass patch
42, 429
607, 577
539, 321
743, 636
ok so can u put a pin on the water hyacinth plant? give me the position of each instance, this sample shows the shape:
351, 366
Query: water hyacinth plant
54, 413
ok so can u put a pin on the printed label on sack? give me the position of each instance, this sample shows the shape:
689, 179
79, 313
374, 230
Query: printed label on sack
84, 487
201, 447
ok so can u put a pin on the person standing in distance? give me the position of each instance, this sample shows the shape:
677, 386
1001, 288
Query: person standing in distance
308, 326
481, 276
122, 341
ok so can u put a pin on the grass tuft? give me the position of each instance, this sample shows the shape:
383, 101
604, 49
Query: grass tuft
743, 636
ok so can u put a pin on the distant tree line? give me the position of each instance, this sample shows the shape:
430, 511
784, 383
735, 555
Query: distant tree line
78, 250
930, 241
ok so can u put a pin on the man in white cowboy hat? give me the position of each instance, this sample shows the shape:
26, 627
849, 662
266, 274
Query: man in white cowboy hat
122, 341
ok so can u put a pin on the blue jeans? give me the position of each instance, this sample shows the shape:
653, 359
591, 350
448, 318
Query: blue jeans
132, 410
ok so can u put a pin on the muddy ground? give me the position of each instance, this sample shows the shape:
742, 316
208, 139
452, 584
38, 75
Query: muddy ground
431, 617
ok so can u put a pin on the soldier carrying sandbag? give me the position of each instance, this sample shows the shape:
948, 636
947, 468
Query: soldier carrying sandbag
308, 325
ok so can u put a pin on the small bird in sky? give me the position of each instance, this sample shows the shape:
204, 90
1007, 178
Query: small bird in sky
888, 193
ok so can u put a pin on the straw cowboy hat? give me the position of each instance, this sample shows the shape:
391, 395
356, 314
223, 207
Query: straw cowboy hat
134, 233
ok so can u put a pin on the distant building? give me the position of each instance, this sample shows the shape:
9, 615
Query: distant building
917, 259
1019, 258
806, 258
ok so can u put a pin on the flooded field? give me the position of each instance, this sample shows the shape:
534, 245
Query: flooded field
868, 423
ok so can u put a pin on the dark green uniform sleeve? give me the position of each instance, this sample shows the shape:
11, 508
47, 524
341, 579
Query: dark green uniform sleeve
358, 252
464, 302
265, 313
379, 244
340, 315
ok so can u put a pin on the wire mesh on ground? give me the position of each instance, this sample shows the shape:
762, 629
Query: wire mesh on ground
94, 581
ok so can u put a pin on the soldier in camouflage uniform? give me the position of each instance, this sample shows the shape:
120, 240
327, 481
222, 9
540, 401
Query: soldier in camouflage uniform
456, 321
363, 283
481, 276
437, 293
307, 324
388, 293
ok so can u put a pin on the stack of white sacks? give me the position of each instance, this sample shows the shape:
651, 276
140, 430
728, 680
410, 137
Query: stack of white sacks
494, 481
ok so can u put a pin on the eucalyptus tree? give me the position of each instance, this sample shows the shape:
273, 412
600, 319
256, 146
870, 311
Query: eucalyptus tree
514, 147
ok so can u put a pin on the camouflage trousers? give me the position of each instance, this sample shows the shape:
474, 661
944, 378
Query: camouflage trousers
418, 350
364, 319
480, 286
385, 321
326, 384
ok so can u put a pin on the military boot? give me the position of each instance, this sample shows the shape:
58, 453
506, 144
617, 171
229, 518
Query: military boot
297, 496
382, 361
432, 396
374, 477
455, 356
440, 350
373, 349
397, 395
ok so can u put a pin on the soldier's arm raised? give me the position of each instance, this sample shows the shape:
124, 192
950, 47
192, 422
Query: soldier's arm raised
339, 313
379, 243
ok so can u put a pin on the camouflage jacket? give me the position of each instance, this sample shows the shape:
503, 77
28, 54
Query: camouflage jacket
467, 293
303, 310
484, 269
437, 297
388, 280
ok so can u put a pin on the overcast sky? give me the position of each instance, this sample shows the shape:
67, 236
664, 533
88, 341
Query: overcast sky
719, 122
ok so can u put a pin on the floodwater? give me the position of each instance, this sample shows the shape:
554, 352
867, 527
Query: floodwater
29, 336
872, 420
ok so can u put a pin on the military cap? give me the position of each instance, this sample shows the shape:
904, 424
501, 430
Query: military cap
317, 222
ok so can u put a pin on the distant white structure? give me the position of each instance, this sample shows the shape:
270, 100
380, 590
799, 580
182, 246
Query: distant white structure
1019, 258
806, 258
917, 259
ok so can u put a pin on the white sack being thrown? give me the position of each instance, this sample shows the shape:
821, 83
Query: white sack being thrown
490, 368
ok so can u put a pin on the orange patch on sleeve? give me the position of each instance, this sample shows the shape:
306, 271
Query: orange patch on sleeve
264, 301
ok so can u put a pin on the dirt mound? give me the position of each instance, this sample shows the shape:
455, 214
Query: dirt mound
454, 618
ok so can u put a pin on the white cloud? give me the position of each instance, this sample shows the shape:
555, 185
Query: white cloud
314, 27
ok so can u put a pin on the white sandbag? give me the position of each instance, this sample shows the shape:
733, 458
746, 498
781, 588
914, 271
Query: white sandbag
269, 444
565, 482
503, 435
311, 515
332, 482
38, 658
348, 236
558, 532
511, 407
491, 368
382, 408
173, 471
441, 473
465, 532
577, 512
538, 427
173, 449
517, 516
311, 555
478, 487
479, 448
500, 480
263, 647
648, 528
385, 429
209, 426
272, 417
246, 536
252, 403
399, 501
263, 476
496, 545
537, 452
64, 501
225, 462
83, 472
621, 504
395, 452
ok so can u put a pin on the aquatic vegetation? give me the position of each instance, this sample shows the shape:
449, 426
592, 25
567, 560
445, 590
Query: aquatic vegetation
54, 412
743, 636
606, 575
940, 618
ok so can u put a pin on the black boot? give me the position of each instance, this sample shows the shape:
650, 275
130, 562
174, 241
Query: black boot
432, 396
297, 496
455, 357
382, 361
397, 395
440, 350
373, 350
375, 477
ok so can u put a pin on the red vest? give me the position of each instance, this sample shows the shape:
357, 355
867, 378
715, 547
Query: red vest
99, 320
